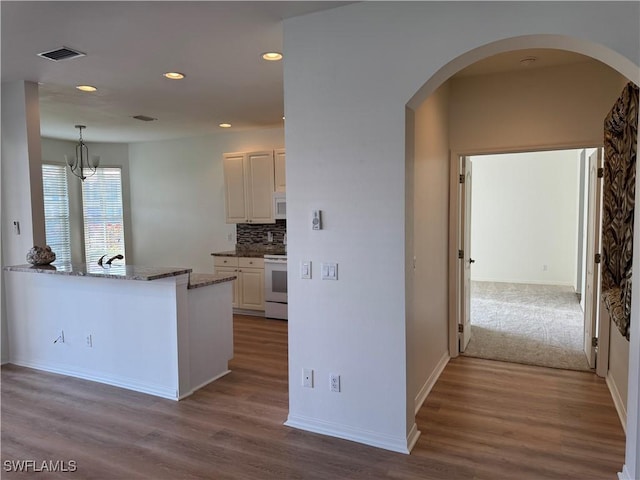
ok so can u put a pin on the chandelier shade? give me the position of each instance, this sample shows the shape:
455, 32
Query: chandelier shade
80, 164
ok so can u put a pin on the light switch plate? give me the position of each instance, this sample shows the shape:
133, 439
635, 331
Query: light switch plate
329, 271
305, 270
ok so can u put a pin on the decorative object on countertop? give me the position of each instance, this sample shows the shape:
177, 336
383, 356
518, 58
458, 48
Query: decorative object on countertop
80, 162
107, 264
41, 255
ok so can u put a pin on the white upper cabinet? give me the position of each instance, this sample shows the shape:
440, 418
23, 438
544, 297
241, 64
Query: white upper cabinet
249, 187
260, 189
280, 173
234, 186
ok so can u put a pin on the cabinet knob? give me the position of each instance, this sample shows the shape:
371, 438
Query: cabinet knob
250, 263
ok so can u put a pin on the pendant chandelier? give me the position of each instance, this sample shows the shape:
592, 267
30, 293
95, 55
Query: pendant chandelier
79, 164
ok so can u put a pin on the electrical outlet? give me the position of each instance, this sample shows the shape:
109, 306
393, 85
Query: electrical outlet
89, 341
334, 382
307, 377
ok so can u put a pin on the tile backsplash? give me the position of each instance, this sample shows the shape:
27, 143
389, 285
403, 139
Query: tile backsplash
251, 235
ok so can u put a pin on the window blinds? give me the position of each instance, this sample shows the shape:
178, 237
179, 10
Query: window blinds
56, 211
102, 212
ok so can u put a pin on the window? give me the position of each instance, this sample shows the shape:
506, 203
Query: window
56, 211
102, 213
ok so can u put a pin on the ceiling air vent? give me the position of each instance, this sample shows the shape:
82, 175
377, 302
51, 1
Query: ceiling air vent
144, 118
62, 53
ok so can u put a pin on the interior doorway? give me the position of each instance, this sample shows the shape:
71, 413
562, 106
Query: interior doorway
528, 285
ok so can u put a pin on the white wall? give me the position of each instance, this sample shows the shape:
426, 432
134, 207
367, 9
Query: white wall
111, 155
349, 72
561, 107
524, 217
618, 374
428, 211
177, 196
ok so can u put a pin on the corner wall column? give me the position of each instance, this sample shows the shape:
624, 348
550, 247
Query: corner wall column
21, 172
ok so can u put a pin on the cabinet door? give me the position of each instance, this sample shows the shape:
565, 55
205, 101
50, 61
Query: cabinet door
252, 287
235, 187
260, 187
236, 282
279, 170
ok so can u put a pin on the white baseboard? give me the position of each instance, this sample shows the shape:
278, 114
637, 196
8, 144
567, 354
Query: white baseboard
394, 444
431, 381
129, 384
412, 438
624, 474
525, 282
251, 313
203, 384
617, 401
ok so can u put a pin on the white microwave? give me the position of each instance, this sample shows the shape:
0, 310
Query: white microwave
279, 205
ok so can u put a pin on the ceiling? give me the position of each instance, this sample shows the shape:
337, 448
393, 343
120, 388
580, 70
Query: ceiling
129, 45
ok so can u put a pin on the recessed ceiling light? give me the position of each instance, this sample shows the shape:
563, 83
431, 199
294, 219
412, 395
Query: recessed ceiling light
225, 125
86, 88
272, 56
283, 117
174, 75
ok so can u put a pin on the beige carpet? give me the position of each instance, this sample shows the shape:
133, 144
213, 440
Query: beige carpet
532, 324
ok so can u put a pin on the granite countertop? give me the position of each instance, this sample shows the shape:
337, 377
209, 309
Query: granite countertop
122, 272
251, 253
197, 280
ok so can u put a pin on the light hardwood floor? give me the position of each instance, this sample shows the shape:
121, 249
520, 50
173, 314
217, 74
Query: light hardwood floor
483, 420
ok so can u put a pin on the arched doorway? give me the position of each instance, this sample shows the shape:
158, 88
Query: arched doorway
613, 60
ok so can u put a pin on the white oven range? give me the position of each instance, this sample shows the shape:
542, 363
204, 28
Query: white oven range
275, 286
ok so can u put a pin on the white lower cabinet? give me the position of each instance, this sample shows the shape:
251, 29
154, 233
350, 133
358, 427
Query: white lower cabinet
248, 288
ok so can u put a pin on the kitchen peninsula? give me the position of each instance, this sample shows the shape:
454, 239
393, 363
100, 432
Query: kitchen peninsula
162, 331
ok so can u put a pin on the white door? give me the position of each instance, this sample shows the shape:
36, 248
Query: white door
593, 248
466, 261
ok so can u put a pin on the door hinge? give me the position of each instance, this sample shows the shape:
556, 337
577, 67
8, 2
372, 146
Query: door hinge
598, 258
460, 327
600, 172
461, 178
594, 342
460, 254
